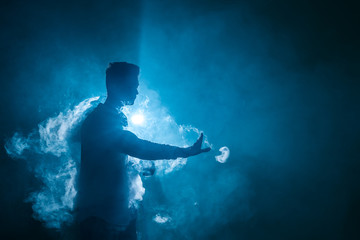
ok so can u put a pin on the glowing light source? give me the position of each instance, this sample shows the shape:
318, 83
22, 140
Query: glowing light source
138, 119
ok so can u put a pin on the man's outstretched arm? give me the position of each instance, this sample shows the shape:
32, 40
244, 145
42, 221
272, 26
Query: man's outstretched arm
130, 144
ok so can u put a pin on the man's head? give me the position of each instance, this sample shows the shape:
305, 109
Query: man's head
122, 82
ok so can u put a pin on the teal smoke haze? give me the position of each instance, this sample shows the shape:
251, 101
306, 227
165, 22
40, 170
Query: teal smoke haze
52, 158
275, 81
52, 154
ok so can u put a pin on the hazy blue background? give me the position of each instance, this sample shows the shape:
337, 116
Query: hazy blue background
275, 81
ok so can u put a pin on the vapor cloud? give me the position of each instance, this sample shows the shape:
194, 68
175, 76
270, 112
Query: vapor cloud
225, 153
53, 158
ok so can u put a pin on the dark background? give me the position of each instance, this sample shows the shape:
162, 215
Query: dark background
275, 81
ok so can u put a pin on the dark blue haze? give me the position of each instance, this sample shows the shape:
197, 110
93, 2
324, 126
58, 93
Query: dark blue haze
277, 82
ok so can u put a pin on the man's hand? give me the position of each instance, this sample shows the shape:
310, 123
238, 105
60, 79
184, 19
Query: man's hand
196, 148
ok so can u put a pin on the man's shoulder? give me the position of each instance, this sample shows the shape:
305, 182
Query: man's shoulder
106, 117
100, 112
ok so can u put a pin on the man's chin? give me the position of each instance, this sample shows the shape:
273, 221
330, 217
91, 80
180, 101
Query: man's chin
130, 102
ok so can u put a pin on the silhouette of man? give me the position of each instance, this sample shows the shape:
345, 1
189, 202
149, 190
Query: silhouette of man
103, 196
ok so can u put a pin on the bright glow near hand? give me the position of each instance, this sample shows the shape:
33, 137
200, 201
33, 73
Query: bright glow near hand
138, 119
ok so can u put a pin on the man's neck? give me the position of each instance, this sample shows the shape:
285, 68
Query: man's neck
113, 104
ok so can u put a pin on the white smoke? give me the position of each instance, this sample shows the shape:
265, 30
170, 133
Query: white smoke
161, 219
225, 153
159, 126
137, 190
50, 157
53, 157
149, 120
16, 145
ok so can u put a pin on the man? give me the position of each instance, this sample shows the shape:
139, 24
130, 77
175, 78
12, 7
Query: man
103, 196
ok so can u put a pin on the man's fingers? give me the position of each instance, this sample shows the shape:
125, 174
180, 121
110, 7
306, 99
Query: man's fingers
198, 142
201, 138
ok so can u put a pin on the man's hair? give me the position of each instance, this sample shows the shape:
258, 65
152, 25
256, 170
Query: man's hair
118, 74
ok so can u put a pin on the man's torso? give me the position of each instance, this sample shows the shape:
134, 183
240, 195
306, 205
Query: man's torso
103, 179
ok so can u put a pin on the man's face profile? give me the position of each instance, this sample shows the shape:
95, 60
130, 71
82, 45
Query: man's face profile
126, 91
132, 91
